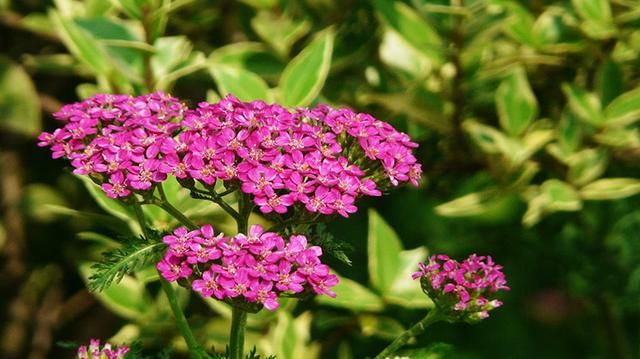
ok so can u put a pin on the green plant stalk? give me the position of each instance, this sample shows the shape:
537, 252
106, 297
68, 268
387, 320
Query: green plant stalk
239, 316
417, 329
181, 320
236, 338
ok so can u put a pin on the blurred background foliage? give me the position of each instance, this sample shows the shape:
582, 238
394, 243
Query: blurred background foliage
526, 112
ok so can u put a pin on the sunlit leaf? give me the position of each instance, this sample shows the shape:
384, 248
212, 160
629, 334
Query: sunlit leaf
624, 109
610, 188
384, 249
353, 296
586, 106
517, 106
303, 78
241, 83
19, 104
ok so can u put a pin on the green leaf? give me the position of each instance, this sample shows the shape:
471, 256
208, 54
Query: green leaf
303, 78
134, 255
611, 188
609, 81
128, 299
80, 43
490, 140
568, 133
552, 196
586, 106
380, 326
417, 32
279, 31
586, 165
383, 249
252, 56
405, 291
112, 206
396, 52
561, 195
241, 83
353, 296
171, 51
19, 104
624, 109
517, 106
520, 24
598, 22
471, 204
290, 337
133, 8
126, 60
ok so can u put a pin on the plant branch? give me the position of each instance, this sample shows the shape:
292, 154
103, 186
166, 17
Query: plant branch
419, 328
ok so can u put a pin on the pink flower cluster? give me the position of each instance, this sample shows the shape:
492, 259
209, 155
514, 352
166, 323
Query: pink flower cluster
256, 267
119, 140
94, 351
463, 286
321, 159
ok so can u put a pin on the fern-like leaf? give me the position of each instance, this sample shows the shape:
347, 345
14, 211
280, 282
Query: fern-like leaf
135, 254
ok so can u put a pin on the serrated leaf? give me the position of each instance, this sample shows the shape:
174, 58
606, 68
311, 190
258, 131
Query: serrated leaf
19, 104
134, 255
624, 109
128, 299
241, 83
586, 106
303, 78
353, 296
610, 188
417, 32
383, 249
517, 106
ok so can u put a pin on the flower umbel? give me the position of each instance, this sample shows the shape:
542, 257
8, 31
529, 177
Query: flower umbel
463, 290
106, 351
252, 268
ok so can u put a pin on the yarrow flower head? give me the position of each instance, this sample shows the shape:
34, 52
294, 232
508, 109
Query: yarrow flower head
464, 290
252, 269
106, 351
292, 162
117, 140
316, 160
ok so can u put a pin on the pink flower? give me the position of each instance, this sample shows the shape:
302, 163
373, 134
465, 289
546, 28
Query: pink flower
462, 287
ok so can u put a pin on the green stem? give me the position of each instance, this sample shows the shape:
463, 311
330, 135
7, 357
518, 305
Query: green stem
194, 349
176, 214
418, 328
181, 320
236, 340
239, 316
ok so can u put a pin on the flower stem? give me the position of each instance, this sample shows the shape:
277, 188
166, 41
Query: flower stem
418, 328
194, 349
236, 340
239, 316
169, 208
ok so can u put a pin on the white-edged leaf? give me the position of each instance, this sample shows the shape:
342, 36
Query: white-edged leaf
610, 188
243, 84
517, 106
624, 109
353, 296
303, 78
